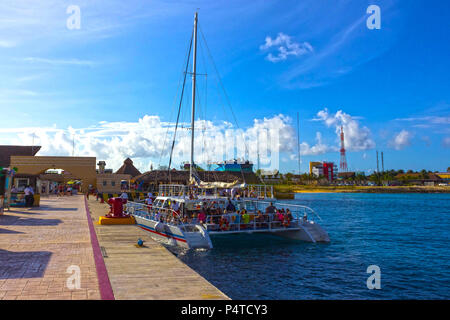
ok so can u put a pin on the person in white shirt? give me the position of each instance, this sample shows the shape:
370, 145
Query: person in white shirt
149, 202
124, 196
175, 206
29, 196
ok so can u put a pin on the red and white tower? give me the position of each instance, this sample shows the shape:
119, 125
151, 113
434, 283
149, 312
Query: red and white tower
343, 164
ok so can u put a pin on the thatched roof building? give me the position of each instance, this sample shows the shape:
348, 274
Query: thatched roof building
128, 168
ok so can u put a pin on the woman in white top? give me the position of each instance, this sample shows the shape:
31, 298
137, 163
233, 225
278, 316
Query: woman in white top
149, 202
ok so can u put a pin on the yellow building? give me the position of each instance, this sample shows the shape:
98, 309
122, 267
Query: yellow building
83, 168
444, 175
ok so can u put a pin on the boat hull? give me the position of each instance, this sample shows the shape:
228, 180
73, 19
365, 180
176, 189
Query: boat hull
171, 235
308, 231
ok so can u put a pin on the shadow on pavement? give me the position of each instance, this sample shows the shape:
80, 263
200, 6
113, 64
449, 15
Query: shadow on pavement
20, 221
17, 265
4, 231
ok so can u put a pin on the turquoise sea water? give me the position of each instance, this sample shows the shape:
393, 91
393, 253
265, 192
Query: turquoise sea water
406, 235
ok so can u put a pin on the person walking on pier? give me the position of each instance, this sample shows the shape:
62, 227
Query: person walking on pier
29, 196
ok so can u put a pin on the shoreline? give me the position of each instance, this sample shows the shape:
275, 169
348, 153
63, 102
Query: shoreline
285, 189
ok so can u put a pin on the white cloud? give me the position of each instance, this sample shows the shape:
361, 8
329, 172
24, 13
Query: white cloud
428, 120
401, 140
76, 62
148, 141
285, 47
356, 138
318, 148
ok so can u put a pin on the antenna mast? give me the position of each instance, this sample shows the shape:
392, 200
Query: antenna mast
194, 66
378, 167
343, 164
298, 141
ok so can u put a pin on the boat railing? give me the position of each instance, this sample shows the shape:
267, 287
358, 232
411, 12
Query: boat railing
295, 209
248, 191
266, 222
173, 190
150, 212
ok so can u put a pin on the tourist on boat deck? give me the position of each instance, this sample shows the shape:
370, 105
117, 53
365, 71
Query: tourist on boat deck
259, 218
124, 196
175, 206
245, 217
236, 218
149, 202
225, 216
233, 193
286, 221
305, 217
158, 216
289, 214
271, 208
280, 215
230, 206
202, 217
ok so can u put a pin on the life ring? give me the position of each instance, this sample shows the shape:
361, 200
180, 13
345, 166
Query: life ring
224, 225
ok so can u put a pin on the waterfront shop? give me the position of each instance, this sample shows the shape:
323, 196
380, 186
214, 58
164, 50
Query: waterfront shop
22, 168
13, 181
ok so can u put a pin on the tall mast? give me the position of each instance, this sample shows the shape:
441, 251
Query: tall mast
298, 141
194, 65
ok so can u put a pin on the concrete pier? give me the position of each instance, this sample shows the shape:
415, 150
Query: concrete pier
43, 250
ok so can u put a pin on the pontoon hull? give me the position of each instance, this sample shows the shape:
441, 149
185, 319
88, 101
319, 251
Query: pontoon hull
309, 232
168, 234
174, 235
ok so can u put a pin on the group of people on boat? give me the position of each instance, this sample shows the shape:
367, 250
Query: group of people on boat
242, 219
225, 219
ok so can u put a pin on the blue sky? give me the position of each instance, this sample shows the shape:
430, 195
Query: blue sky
112, 85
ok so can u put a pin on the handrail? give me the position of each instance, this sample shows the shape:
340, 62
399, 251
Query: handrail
269, 218
251, 190
165, 211
286, 205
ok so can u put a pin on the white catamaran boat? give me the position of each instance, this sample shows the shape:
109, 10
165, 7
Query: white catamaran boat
189, 219
189, 216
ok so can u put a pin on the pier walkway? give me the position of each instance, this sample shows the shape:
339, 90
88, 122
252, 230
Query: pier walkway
149, 272
41, 248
